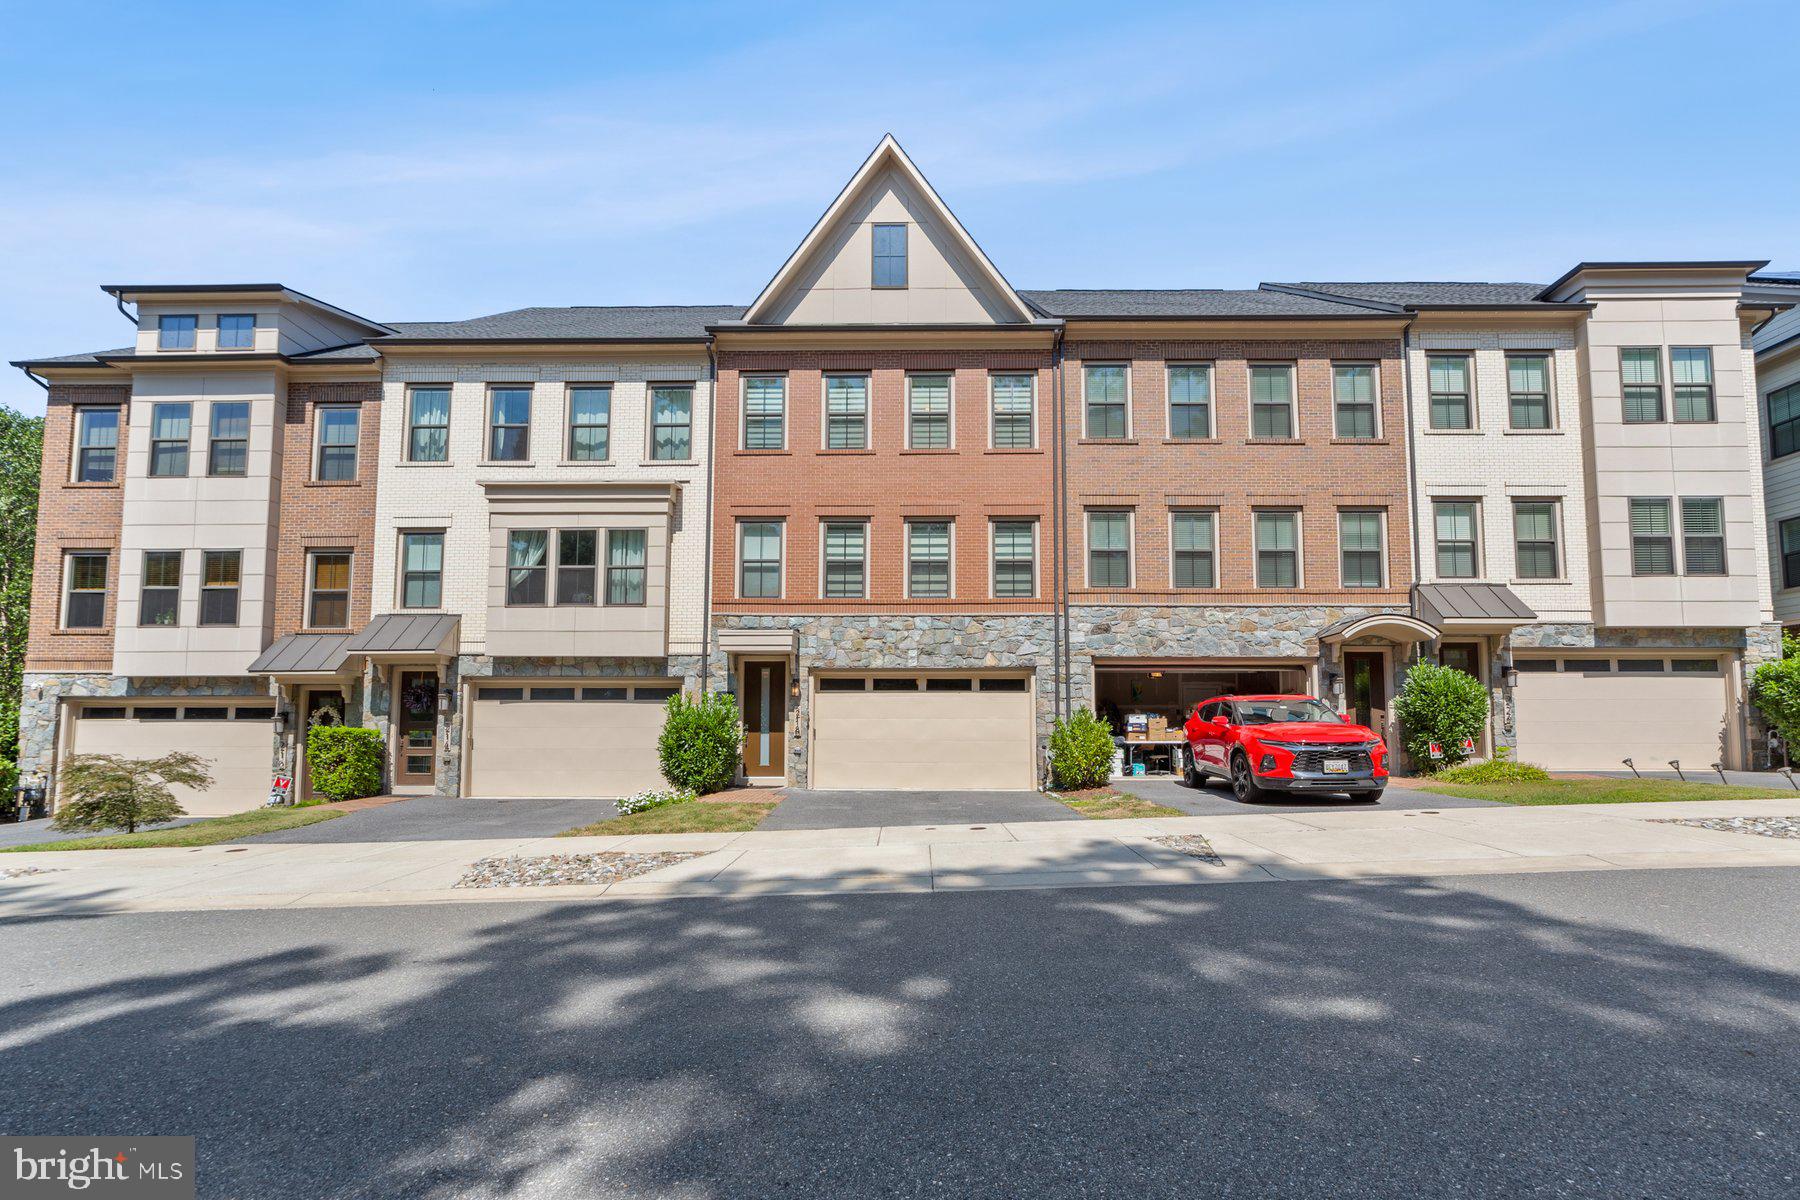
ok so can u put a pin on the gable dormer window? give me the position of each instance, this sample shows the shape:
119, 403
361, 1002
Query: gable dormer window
890, 256
176, 332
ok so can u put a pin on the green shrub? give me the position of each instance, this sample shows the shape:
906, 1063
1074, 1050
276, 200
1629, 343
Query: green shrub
344, 761
1497, 770
9, 783
1775, 691
1442, 705
109, 791
1081, 751
702, 741
639, 802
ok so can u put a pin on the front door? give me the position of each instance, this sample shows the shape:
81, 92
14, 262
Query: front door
416, 748
1365, 689
765, 719
318, 706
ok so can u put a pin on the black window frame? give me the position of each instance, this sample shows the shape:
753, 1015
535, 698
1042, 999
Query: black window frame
1784, 435
1790, 559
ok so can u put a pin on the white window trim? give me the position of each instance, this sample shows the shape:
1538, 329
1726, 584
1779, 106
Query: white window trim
569, 388
1029, 373
1479, 533
1299, 548
1381, 518
1374, 366
994, 563
781, 562
824, 523
1212, 403
306, 613
1218, 566
949, 376
1293, 372
744, 411
1131, 556
906, 528
825, 378
1124, 365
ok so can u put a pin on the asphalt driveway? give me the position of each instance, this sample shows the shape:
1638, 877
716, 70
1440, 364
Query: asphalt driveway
447, 819
1216, 800
802, 809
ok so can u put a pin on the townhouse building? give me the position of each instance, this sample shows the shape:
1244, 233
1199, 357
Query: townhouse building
911, 515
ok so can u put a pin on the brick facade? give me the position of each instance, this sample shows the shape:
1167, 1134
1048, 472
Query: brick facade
317, 515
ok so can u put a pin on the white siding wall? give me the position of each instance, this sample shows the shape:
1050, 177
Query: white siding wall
1781, 477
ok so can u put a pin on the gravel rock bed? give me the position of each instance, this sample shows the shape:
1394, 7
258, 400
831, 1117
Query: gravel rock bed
552, 870
1775, 827
1192, 845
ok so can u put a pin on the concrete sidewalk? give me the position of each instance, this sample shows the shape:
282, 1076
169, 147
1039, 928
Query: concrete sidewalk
1254, 848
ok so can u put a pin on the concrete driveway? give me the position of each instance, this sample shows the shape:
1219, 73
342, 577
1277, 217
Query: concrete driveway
1217, 800
802, 809
448, 819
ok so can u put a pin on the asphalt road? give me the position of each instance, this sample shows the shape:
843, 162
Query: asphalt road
1553, 1035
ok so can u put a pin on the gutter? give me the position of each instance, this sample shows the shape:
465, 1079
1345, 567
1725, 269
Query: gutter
1060, 511
37, 379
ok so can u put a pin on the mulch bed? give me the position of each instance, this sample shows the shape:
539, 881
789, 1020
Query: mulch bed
554, 870
1775, 827
1192, 845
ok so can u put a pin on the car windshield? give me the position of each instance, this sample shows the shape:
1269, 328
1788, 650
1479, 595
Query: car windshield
1284, 712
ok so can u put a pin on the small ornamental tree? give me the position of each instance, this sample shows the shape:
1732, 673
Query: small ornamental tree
1442, 705
1081, 751
109, 791
344, 761
702, 741
1775, 691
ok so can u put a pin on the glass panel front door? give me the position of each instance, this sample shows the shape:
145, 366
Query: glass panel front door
416, 706
765, 719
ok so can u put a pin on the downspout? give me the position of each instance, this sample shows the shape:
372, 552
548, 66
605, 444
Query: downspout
712, 456
119, 303
1064, 651
1412, 451
39, 380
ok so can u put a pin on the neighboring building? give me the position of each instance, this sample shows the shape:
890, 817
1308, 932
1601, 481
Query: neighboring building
1777, 347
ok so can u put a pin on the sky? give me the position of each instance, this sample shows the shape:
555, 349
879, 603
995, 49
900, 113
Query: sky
443, 159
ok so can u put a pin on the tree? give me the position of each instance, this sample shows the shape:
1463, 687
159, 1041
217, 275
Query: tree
1775, 691
21, 453
701, 742
109, 791
1441, 705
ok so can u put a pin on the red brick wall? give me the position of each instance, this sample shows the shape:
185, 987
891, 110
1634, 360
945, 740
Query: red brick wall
325, 516
886, 484
74, 516
1315, 472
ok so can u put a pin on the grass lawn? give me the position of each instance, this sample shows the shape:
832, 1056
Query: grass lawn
692, 816
198, 833
1104, 804
1594, 791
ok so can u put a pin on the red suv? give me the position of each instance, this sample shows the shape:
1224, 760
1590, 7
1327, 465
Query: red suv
1261, 744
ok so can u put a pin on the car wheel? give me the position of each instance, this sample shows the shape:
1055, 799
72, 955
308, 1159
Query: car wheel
1243, 783
1191, 775
1371, 797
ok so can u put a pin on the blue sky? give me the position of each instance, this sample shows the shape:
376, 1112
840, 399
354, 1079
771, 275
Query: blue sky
419, 160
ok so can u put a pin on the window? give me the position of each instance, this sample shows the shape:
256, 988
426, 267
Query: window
1109, 549
625, 566
1271, 401
228, 449
1012, 684
328, 576
1642, 666
509, 424
928, 559
96, 444
1353, 396
159, 602
1591, 666
256, 713
1015, 559
1690, 371
765, 412
1528, 390
590, 424
949, 683
1695, 666
652, 695
577, 561
1652, 539
838, 683
1703, 536
169, 425
428, 424
1534, 666
845, 557
499, 693
85, 605
889, 248
1190, 401
176, 332
1784, 421
846, 412
1359, 549
759, 560
1103, 390
208, 712
1277, 549
1640, 382
553, 693
527, 567
156, 713
1456, 522
672, 423
1013, 411
1790, 552
603, 693
1449, 386
221, 574
1191, 539
928, 412
1535, 553
421, 570
339, 427
237, 331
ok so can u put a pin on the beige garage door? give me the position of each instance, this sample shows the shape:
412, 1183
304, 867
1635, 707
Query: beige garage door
566, 740
237, 741
1590, 712
936, 733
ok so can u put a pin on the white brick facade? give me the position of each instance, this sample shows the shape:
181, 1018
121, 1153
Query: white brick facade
449, 495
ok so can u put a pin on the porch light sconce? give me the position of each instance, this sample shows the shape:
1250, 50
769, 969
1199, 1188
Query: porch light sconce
446, 699
1509, 677
281, 722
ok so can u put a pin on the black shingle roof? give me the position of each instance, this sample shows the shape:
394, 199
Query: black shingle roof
76, 360
574, 324
1168, 304
1427, 293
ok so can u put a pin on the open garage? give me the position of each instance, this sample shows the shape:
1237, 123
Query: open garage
947, 731
565, 738
1172, 688
1591, 711
236, 739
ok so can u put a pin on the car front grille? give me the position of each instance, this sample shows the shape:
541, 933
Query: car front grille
1313, 761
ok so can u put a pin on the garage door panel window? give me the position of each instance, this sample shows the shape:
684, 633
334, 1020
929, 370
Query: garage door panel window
949, 684
553, 693
526, 567
625, 566
1455, 522
928, 412
1353, 398
1703, 536
220, 581
577, 562
422, 570
1451, 404
1588, 666
604, 693
1192, 535
1272, 401
1190, 401
1014, 405
328, 577
1641, 666
590, 424
837, 683
85, 605
1103, 391
1652, 538
928, 559
759, 560
846, 560
1535, 553
765, 412
1277, 549
500, 693
206, 713
1360, 549
652, 695
1015, 559
159, 602
1790, 552
1109, 549
846, 412
1694, 666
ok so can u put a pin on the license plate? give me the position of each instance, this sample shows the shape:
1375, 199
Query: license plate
1337, 766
